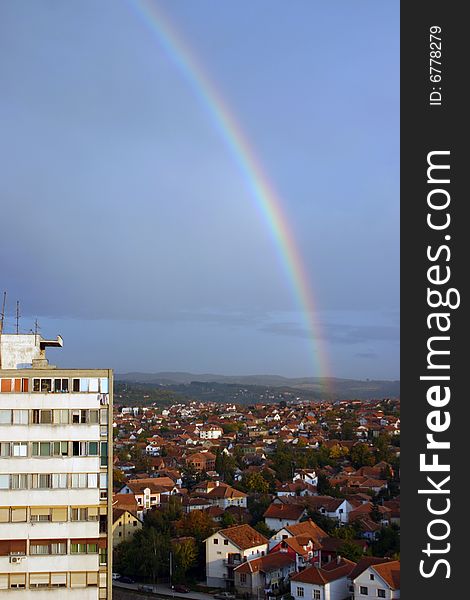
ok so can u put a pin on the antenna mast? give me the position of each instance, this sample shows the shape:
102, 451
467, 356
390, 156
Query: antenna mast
2, 320
17, 317
2, 314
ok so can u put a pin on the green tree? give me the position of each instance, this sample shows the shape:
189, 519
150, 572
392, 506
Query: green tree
257, 506
350, 550
361, 456
262, 528
227, 520
185, 555
196, 524
255, 482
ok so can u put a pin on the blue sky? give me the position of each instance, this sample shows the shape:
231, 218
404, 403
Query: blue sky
127, 226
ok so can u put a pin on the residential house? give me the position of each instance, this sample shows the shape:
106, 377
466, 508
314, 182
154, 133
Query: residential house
334, 508
225, 496
228, 548
306, 528
264, 577
306, 475
376, 578
201, 461
125, 524
329, 582
279, 515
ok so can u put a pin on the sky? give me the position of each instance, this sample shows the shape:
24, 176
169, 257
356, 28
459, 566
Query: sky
128, 226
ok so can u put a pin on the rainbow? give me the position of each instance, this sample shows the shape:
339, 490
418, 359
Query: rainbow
266, 200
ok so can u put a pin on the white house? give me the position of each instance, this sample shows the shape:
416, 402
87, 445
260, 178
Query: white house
381, 579
211, 432
306, 475
228, 548
265, 576
306, 528
279, 515
327, 583
334, 508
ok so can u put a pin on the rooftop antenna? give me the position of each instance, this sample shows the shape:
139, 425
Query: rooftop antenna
2, 319
36, 329
2, 314
17, 317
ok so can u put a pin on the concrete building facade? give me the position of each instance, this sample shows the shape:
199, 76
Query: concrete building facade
55, 475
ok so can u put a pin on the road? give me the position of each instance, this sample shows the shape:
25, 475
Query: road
163, 590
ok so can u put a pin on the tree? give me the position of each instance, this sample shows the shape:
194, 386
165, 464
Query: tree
185, 554
196, 524
146, 555
361, 456
227, 520
388, 542
350, 550
375, 514
257, 506
262, 528
255, 482
347, 431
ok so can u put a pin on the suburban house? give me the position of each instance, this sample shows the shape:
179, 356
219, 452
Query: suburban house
326, 583
148, 491
376, 578
265, 576
125, 524
298, 488
210, 432
306, 476
279, 515
334, 508
228, 548
224, 496
306, 528
201, 461
302, 549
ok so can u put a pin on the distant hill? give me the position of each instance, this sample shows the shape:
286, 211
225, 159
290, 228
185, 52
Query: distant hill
317, 387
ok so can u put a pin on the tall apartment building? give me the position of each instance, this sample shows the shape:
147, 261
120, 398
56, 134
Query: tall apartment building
55, 475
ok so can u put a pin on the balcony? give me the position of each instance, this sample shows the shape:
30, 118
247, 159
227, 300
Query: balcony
232, 562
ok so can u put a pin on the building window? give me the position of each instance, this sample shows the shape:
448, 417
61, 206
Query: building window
17, 580
242, 577
18, 515
300, 592
20, 417
59, 481
61, 385
58, 579
371, 576
5, 417
61, 416
18, 481
20, 449
225, 542
216, 541
363, 590
316, 595
40, 514
380, 593
4, 449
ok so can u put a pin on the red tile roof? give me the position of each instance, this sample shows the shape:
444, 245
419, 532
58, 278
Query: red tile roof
390, 573
284, 511
323, 575
271, 562
244, 536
